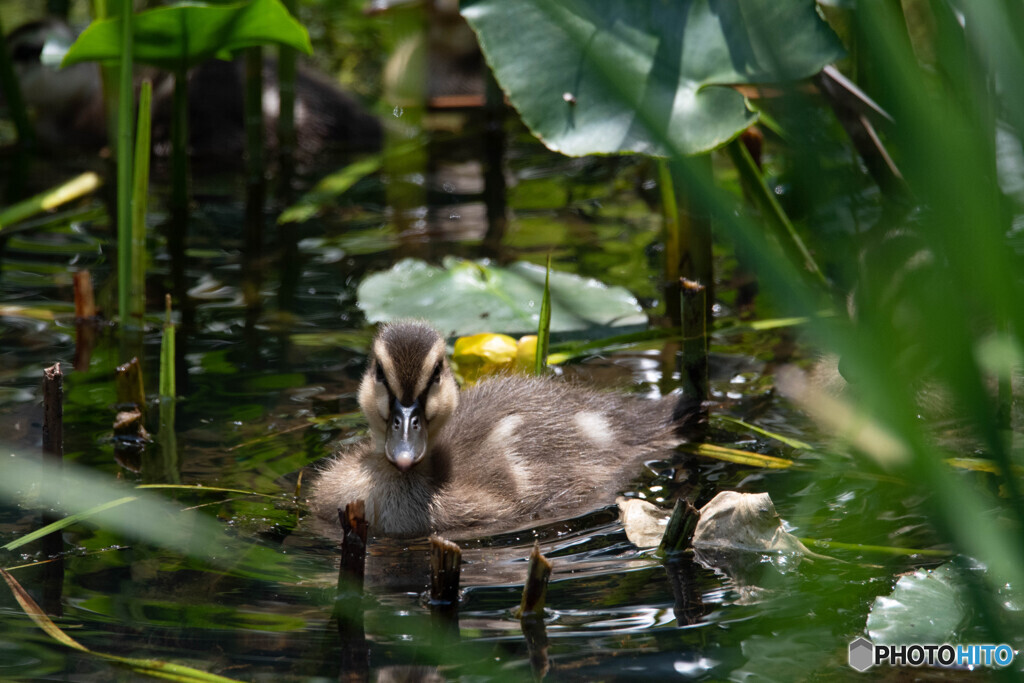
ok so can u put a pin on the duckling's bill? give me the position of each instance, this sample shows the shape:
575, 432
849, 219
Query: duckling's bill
405, 443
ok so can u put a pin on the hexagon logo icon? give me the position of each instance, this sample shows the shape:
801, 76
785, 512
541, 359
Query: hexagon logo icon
862, 654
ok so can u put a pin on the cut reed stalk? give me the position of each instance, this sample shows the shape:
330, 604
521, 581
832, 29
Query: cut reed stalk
680, 528
85, 301
130, 388
535, 590
353, 547
693, 314
53, 413
53, 455
445, 567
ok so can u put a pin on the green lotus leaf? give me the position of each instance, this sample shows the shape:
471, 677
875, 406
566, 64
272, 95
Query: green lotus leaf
187, 34
610, 76
924, 607
469, 297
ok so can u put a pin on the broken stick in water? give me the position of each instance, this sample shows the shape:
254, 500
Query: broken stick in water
695, 342
353, 546
53, 456
535, 591
445, 566
680, 527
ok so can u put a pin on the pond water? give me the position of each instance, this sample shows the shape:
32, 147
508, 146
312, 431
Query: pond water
266, 391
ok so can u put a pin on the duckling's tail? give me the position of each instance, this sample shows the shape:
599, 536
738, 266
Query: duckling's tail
689, 417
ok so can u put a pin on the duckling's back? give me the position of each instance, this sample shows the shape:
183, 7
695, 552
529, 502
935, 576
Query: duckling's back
519, 448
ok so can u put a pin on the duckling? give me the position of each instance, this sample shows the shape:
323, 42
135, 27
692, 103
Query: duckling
506, 450
69, 109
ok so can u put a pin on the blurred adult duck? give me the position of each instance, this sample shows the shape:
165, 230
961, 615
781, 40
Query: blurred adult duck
68, 106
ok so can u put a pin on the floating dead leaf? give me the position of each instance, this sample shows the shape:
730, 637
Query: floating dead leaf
744, 521
643, 522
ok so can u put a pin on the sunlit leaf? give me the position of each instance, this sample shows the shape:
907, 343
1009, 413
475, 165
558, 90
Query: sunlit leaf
189, 33
328, 189
466, 297
924, 607
622, 75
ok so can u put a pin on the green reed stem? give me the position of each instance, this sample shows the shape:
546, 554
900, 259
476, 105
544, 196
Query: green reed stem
167, 382
782, 228
124, 165
544, 326
140, 204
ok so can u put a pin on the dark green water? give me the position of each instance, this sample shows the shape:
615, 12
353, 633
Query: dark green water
252, 382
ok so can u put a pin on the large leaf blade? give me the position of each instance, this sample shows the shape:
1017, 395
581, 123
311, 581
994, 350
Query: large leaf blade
611, 76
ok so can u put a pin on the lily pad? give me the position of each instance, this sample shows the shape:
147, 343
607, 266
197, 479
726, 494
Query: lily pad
469, 297
189, 33
611, 76
924, 607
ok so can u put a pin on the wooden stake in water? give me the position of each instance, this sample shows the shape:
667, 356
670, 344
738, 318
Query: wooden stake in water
53, 456
535, 590
695, 342
129, 384
85, 301
53, 414
353, 546
85, 319
445, 567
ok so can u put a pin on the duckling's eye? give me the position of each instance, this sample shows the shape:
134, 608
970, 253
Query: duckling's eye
435, 378
380, 373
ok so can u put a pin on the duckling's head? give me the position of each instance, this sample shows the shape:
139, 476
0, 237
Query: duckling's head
408, 392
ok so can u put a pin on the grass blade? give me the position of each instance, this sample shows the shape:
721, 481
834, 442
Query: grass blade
736, 456
66, 522
544, 326
37, 615
789, 441
150, 667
